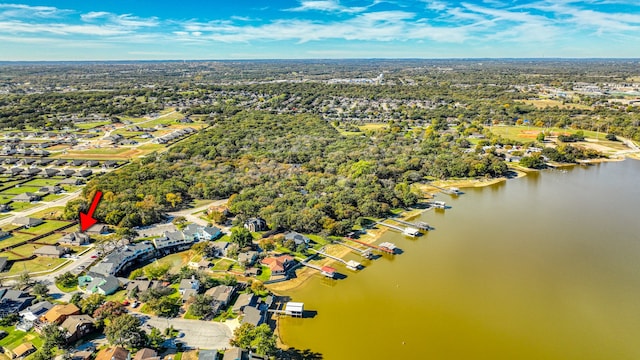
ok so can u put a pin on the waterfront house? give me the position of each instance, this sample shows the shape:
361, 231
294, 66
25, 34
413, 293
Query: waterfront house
297, 238
278, 265
253, 316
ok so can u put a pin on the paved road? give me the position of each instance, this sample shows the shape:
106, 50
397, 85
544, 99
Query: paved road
197, 334
187, 213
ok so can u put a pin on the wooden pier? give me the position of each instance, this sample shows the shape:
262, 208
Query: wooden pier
451, 191
420, 225
410, 231
324, 270
383, 249
365, 253
351, 265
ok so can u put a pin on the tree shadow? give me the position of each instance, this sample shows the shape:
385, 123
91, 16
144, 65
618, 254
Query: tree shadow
297, 354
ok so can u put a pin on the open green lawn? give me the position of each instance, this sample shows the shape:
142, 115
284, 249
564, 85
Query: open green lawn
66, 289
52, 197
21, 190
265, 275
14, 239
47, 212
16, 337
51, 239
20, 206
42, 182
223, 265
101, 151
118, 296
176, 261
9, 183
47, 226
91, 125
5, 198
528, 133
37, 264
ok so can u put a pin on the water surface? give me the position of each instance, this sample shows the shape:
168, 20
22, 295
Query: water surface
541, 267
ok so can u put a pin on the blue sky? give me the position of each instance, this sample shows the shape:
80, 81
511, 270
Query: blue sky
243, 29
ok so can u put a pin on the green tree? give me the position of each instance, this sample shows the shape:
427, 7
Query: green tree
40, 290
241, 236
243, 336
92, 302
125, 331
540, 137
108, 311
201, 305
264, 341
76, 298
156, 271
66, 280
155, 339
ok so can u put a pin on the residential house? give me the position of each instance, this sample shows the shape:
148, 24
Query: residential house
82, 355
51, 172
256, 224
75, 239
68, 172
138, 286
51, 251
253, 316
113, 353
247, 258
189, 284
27, 222
23, 350
60, 162
123, 257
172, 239
26, 197
244, 300
59, 313
13, 301
78, 326
221, 294
35, 311
93, 163
208, 355
209, 233
98, 229
297, 238
71, 181
16, 171
3, 262
77, 162
200, 265
146, 354
235, 353
219, 248
85, 172
33, 171
278, 265
50, 190
99, 283
4, 235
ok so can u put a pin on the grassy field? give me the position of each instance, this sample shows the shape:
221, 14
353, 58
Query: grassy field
20, 206
43, 182
14, 239
48, 211
223, 265
21, 190
529, 133
17, 337
49, 225
5, 198
175, 261
265, 275
37, 264
51, 239
52, 197
91, 125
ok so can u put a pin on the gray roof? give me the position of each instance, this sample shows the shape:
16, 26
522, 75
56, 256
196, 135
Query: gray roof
50, 250
243, 301
3, 262
233, 354
12, 301
27, 221
38, 309
298, 239
221, 293
252, 316
208, 355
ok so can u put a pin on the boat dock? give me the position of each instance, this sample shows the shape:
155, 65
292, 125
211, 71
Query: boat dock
351, 265
324, 270
420, 224
410, 231
438, 204
365, 253
381, 248
451, 191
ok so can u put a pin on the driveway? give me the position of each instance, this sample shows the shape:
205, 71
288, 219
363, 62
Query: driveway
197, 334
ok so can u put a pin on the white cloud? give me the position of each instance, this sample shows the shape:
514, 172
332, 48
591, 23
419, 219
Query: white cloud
327, 6
16, 11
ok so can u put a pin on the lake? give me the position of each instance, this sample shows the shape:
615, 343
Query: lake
541, 267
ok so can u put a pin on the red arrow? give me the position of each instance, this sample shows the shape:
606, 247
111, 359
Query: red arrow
87, 220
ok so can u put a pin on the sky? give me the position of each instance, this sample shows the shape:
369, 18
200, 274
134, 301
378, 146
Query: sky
302, 29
